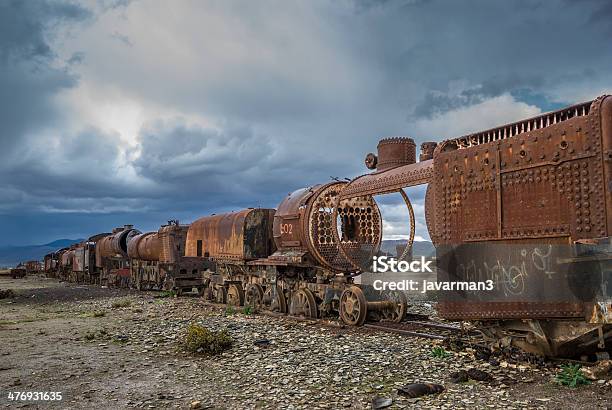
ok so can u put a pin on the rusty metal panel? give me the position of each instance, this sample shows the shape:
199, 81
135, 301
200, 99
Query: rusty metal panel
78, 261
241, 235
67, 257
543, 180
539, 180
509, 310
287, 229
173, 239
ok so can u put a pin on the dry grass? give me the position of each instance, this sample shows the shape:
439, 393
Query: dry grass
199, 339
121, 303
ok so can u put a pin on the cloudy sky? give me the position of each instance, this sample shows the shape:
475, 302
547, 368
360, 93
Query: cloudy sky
118, 111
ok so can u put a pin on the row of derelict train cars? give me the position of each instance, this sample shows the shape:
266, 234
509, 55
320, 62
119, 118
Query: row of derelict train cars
527, 206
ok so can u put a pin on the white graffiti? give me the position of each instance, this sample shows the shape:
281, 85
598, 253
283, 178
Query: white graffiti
508, 274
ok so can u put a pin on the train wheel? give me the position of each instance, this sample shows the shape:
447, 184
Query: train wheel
274, 299
220, 294
253, 296
303, 304
398, 313
235, 295
353, 306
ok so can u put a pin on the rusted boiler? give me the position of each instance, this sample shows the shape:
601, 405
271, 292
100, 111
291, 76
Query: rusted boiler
112, 256
157, 260
241, 236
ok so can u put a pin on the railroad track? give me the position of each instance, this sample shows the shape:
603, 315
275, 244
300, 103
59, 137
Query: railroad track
423, 328
415, 325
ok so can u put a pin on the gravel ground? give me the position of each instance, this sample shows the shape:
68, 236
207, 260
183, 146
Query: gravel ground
115, 348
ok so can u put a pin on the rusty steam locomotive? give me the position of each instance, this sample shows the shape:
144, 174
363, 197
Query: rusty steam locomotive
284, 260
527, 205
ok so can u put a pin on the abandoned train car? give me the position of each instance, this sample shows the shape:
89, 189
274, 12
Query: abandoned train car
528, 206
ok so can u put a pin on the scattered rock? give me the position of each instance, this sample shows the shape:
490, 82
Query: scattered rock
479, 375
195, 405
415, 390
381, 402
262, 343
598, 371
463, 376
7, 294
459, 377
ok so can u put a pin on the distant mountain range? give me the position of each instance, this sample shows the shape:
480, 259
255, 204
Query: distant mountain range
12, 255
419, 248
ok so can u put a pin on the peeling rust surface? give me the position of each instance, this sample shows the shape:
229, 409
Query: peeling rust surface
391, 180
146, 246
173, 239
240, 236
541, 180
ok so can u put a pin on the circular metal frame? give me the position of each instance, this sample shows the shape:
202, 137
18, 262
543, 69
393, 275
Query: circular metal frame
409, 243
375, 233
411, 213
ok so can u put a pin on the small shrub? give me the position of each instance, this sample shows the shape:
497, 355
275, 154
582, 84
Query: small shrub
99, 313
571, 376
166, 294
229, 310
439, 352
121, 303
90, 336
247, 310
199, 339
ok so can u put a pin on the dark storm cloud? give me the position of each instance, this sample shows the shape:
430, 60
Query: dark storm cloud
70, 173
24, 26
222, 168
438, 102
27, 79
493, 47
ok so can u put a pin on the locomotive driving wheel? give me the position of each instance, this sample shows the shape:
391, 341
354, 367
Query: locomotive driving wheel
274, 299
398, 312
303, 304
253, 296
353, 306
235, 295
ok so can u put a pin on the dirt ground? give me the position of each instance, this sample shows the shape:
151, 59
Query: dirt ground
108, 348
